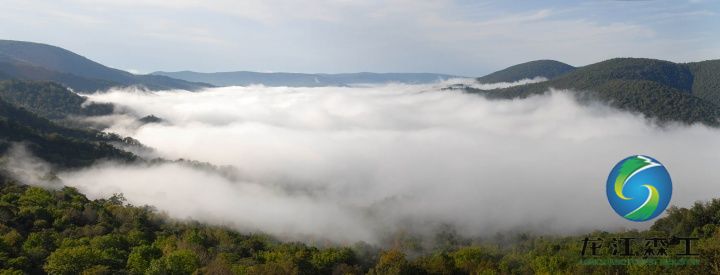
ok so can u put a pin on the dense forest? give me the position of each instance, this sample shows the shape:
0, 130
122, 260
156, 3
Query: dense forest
63, 147
60, 231
658, 89
50, 100
706, 82
31, 113
544, 68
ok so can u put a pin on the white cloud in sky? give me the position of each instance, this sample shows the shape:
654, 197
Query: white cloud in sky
465, 38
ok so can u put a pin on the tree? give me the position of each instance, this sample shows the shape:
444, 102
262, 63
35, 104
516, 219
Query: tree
38, 244
325, 260
177, 262
140, 258
72, 260
393, 262
473, 259
709, 250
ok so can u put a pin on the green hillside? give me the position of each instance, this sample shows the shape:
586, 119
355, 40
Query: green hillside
63, 232
706, 82
63, 147
49, 99
19, 70
36, 61
544, 68
658, 89
673, 75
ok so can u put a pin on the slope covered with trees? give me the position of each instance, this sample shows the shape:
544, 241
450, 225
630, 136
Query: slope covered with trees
35, 61
539, 68
63, 232
63, 147
19, 70
706, 80
658, 89
50, 100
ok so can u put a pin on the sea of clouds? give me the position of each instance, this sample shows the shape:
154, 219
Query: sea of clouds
351, 164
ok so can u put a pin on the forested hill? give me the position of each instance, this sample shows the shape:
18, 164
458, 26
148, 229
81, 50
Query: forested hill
26, 108
706, 80
63, 232
60, 146
49, 99
658, 89
539, 68
35, 61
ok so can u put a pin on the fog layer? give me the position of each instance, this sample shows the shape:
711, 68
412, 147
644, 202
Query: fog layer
355, 164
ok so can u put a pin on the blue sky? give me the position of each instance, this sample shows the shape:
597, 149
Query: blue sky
457, 37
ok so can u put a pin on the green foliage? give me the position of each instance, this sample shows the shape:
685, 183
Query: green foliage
657, 101
81, 236
107, 237
706, 80
38, 245
700, 220
140, 258
545, 68
324, 261
49, 100
438, 263
72, 260
58, 145
658, 89
709, 250
176, 262
394, 262
476, 259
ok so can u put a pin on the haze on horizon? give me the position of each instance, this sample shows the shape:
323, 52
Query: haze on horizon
469, 38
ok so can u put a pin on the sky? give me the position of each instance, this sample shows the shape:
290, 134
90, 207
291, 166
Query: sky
461, 37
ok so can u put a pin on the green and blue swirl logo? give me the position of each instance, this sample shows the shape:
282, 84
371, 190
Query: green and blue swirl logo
639, 188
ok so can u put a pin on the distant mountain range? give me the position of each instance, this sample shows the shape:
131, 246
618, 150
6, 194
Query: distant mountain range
35, 61
667, 91
243, 78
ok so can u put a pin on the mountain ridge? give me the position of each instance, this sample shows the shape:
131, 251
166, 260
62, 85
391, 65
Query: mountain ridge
686, 92
50, 100
245, 78
538, 68
37, 61
54, 143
